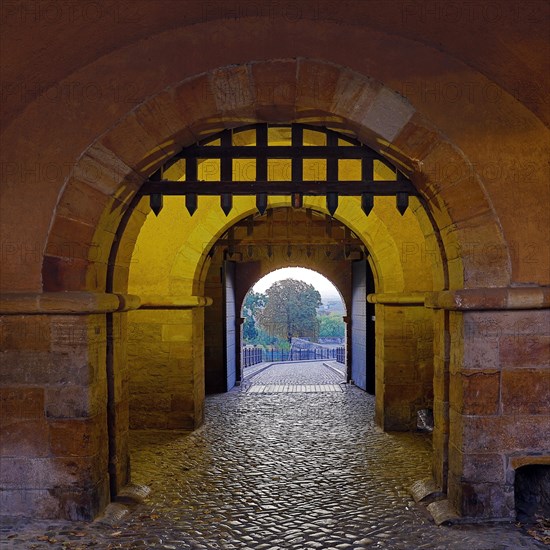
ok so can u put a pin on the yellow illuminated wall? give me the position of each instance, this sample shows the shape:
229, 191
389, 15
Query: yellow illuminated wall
170, 263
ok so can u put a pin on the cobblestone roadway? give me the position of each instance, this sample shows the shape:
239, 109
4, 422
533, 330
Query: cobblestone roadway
314, 372
281, 471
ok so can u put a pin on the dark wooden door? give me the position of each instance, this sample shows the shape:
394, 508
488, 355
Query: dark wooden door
362, 327
359, 324
230, 346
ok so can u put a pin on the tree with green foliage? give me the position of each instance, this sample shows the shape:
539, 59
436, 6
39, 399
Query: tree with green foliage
253, 303
291, 310
331, 326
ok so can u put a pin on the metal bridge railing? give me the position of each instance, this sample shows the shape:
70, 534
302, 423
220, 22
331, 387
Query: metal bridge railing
252, 355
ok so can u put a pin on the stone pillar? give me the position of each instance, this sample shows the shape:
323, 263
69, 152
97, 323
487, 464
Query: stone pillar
118, 374
499, 393
166, 358
404, 359
215, 369
199, 345
53, 397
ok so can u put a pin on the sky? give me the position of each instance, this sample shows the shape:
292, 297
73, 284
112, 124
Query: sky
321, 283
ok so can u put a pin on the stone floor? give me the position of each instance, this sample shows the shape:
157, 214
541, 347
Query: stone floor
274, 472
308, 372
307, 377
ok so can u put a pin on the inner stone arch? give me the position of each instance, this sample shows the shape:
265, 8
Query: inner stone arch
191, 265
194, 248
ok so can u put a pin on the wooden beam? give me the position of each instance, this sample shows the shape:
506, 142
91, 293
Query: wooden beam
279, 152
278, 188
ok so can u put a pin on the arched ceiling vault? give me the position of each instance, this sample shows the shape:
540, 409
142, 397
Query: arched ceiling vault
504, 41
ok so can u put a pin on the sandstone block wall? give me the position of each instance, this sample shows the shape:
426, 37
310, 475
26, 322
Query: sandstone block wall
53, 417
404, 359
165, 387
499, 405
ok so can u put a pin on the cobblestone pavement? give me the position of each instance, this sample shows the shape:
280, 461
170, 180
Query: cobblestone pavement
276, 472
295, 388
308, 372
253, 369
339, 367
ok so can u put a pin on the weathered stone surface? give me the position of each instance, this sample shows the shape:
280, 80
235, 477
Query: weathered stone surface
275, 84
130, 144
525, 350
388, 114
77, 437
526, 391
316, 84
416, 138
25, 333
21, 403
443, 512
75, 401
233, 90
491, 298
424, 488
482, 500
160, 117
24, 437
65, 273
196, 100
475, 392
483, 468
59, 303
487, 434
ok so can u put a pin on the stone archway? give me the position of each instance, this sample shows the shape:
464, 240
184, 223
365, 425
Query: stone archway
110, 171
114, 166
413, 139
284, 237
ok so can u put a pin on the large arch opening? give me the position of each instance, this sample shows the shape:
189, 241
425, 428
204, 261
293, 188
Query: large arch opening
320, 162
366, 252
283, 237
411, 141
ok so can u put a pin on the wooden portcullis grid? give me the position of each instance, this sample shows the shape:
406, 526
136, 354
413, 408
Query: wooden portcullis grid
221, 148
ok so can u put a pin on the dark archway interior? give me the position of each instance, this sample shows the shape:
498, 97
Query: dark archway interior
532, 493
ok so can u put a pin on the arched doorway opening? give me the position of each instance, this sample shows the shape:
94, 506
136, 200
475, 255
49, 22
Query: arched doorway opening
293, 315
258, 245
